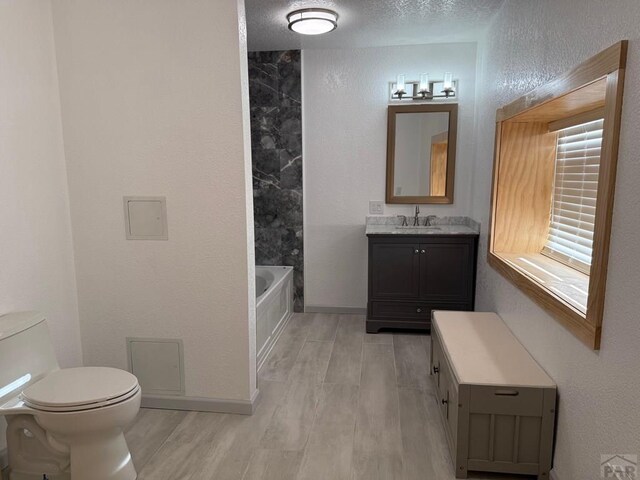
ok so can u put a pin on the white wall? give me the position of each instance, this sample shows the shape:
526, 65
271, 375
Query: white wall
345, 98
152, 102
528, 44
36, 257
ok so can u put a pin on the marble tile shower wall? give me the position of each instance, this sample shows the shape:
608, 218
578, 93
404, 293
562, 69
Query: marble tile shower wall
276, 145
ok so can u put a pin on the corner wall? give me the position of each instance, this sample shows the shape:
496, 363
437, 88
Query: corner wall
528, 44
153, 104
36, 249
345, 99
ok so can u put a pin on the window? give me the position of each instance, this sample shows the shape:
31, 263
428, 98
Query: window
570, 239
554, 175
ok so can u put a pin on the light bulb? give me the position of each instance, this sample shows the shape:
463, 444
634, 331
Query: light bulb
448, 82
423, 87
400, 84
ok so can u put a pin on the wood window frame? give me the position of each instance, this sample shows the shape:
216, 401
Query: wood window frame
523, 126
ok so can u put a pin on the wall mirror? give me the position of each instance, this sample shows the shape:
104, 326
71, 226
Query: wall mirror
421, 153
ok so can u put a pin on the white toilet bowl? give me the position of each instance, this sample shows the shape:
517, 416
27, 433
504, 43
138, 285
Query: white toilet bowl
68, 424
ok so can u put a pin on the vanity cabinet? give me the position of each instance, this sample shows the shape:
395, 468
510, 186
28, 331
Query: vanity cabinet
411, 275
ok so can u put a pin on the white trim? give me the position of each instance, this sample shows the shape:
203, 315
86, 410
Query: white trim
261, 359
305, 262
338, 310
200, 404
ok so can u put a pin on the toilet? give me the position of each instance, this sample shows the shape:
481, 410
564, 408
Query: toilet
67, 423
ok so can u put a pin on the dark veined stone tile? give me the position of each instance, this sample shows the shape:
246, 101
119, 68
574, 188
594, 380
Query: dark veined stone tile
290, 170
293, 143
268, 246
276, 138
290, 207
266, 207
266, 162
290, 121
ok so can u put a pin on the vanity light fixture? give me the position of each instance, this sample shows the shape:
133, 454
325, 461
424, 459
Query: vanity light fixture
448, 88
400, 87
423, 89
423, 86
312, 21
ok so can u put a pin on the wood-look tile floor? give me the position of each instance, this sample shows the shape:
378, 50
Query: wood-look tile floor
337, 403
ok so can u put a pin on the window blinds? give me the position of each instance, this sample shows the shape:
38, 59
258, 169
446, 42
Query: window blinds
574, 195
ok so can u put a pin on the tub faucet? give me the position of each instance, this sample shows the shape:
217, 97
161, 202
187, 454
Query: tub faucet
415, 218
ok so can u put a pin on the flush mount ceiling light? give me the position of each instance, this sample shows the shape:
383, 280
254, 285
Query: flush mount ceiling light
312, 21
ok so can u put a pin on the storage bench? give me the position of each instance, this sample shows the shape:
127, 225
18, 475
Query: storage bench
497, 404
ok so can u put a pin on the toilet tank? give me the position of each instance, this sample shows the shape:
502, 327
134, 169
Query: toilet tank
26, 352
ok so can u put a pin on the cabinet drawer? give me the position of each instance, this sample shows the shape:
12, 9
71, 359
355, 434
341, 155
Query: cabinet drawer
401, 310
506, 400
416, 311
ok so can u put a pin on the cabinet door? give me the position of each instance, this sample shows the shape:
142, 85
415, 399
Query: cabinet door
395, 270
446, 272
448, 403
437, 357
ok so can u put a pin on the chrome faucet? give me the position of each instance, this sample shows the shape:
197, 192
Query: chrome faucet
430, 220
415, 218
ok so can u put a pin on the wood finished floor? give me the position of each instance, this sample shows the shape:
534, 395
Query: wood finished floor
336, 404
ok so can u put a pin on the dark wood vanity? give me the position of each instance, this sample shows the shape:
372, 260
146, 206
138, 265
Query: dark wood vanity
411, 274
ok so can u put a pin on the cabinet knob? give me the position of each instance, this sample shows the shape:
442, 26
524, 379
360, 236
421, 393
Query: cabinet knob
419, 310
416, 251
436, 369
444, 402
423, 251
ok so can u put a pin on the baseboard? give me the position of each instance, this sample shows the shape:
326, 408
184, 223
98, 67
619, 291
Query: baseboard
199, 404
339, 310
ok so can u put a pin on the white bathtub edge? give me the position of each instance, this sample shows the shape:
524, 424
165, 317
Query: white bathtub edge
278, 334
272, 319
274, 285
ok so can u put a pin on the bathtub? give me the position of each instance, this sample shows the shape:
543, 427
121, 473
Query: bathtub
274, 306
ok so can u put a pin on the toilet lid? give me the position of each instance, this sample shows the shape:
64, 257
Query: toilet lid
81, 387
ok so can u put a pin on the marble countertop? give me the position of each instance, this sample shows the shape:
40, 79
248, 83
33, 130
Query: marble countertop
390, 225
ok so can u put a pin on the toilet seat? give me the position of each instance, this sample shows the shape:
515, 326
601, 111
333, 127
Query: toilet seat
78, 389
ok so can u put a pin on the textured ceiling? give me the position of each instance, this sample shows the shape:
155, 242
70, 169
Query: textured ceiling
369, 23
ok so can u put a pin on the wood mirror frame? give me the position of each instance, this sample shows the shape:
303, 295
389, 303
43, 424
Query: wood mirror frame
523, 172
452, 110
